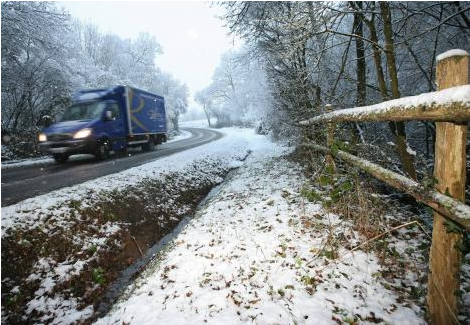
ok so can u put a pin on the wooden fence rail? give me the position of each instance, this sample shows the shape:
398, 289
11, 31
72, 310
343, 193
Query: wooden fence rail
449, 105
450, 108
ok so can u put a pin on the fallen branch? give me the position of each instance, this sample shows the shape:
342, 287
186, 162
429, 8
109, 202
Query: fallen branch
445, 205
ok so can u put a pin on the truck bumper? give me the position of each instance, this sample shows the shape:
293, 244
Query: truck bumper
69, 147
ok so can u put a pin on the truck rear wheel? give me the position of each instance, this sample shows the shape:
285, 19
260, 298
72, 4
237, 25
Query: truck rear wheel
60, 157
149, 146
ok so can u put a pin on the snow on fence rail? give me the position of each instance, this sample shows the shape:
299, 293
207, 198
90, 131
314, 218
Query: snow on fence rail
448, 105
450, 108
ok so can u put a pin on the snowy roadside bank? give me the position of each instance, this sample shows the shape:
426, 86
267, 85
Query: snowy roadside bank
61, 250
259, 252
27, 162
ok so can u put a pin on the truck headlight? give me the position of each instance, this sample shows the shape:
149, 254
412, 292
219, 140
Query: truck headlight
83, 133
42, 137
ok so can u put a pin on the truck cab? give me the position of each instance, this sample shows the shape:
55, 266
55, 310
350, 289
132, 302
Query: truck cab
105, 120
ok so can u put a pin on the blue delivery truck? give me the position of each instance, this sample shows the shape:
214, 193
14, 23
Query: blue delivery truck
103, 120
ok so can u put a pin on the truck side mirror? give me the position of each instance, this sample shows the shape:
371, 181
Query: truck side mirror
47, 120
108, 115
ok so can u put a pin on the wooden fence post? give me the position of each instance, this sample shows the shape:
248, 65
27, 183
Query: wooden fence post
330, 137
449, 171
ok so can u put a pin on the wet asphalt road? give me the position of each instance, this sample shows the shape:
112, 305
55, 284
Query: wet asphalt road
19, 183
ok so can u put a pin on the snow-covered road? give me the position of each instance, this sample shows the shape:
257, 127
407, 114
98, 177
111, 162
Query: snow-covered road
31, 178
45, 160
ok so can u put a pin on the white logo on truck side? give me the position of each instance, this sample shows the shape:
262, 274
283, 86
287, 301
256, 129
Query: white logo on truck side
153, 114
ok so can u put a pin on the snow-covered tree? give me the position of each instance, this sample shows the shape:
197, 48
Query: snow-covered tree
238, 92
34, 82
347, 54
46, 56
204, 97
176, 98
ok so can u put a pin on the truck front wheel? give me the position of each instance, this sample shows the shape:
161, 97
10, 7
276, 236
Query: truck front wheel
60, 157
102, 151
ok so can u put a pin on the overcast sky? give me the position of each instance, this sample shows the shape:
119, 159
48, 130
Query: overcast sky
191, 35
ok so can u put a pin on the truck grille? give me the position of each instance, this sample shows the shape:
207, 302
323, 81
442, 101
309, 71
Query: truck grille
59, 137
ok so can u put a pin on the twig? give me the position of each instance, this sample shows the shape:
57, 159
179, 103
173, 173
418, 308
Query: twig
368, 241
382, 234
136, 244
441, 293
262, 252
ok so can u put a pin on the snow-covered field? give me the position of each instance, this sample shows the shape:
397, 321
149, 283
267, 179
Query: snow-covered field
257, 253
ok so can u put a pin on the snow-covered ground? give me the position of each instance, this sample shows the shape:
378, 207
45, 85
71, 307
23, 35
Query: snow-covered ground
182, 136
257, 252
57, 215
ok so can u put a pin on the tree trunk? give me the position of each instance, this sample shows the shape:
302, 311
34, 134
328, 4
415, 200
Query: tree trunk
317, 96
175, 123
360, 71
397, 128
360, 60
377, 57
206, 112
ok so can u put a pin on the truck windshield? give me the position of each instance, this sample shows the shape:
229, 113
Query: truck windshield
84, 111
